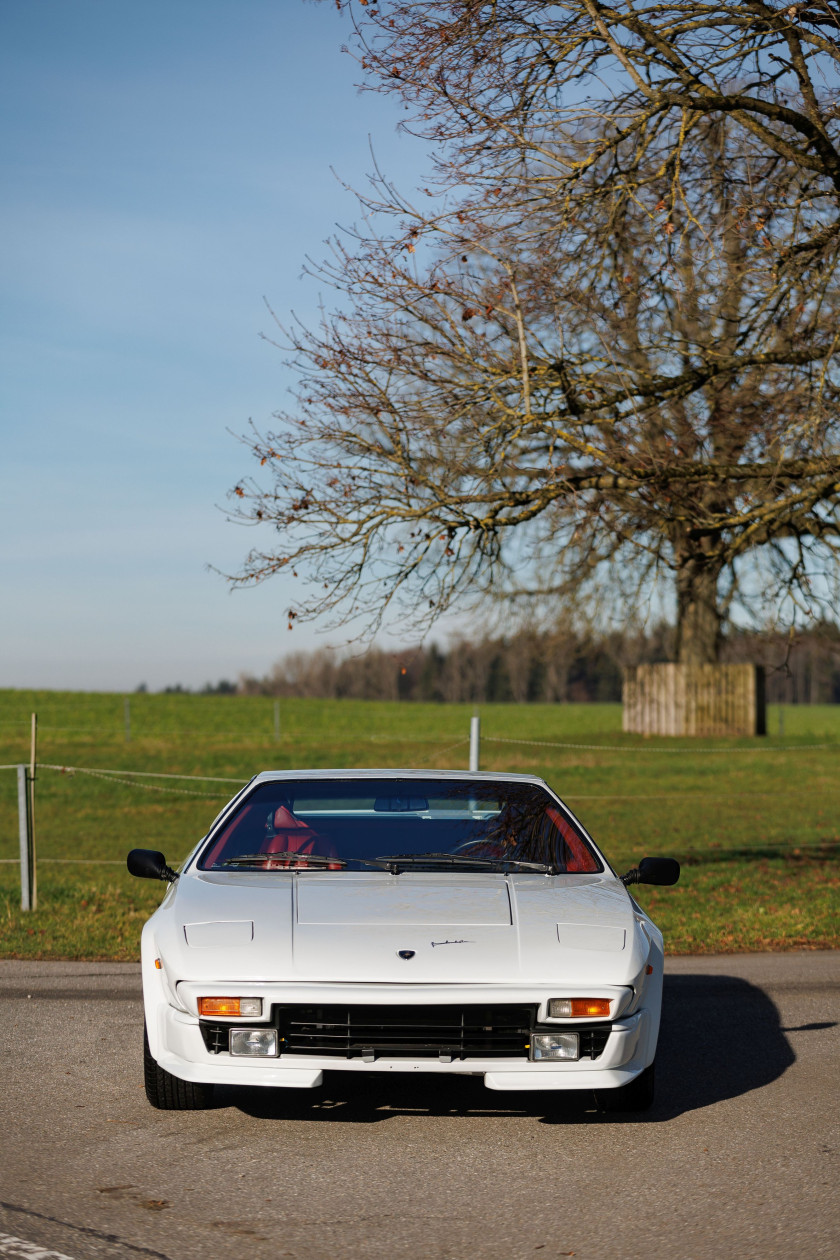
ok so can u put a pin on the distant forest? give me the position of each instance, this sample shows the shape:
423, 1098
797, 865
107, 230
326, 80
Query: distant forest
530, 667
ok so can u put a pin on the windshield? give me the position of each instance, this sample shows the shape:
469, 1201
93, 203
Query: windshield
452, 824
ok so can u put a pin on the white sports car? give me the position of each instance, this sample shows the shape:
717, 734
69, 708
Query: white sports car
400, 921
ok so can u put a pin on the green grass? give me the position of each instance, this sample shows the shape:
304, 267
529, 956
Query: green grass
755, 825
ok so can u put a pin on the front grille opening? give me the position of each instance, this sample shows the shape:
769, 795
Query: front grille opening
216, 1036
432, 1032
365, 1032
592, 1040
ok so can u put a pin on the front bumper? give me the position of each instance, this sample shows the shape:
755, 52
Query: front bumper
180, 1048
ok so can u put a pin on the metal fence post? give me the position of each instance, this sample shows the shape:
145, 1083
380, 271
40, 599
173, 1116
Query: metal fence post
33, 767
475, 739
27, 856
127, 708
277, 719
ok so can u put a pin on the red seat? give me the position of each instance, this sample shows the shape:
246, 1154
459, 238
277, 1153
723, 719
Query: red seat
290, 835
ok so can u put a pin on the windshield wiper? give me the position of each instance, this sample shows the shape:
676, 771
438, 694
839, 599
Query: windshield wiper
391, 862
396, 860
296, 860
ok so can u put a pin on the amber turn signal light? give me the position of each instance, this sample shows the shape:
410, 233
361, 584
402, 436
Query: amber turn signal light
579, 1008
229, 1006
590, 1008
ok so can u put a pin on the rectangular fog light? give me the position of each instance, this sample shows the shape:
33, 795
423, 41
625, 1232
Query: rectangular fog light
254, 1041
560, 1045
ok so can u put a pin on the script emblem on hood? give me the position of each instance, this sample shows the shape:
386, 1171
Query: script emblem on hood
406, 953
459, 942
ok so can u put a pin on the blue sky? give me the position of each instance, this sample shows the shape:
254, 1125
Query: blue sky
166, 168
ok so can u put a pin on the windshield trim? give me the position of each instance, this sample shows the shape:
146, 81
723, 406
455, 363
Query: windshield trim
480, 779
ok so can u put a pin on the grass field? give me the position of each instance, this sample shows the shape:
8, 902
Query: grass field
755, 822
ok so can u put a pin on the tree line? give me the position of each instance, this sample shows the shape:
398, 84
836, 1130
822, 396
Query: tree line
542, 667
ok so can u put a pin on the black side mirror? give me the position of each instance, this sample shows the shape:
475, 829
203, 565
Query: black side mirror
653, 870
149, 864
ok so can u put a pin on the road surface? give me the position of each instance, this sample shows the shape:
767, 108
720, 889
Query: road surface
739, 1157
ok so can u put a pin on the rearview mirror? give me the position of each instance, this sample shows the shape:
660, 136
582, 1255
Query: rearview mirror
400, 804
653, 870
149, 864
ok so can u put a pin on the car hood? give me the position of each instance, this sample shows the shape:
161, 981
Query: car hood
417, 927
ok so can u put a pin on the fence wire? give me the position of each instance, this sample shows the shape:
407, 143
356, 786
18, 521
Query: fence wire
306, 737
145, 774
117, 776
132, 776
639, 748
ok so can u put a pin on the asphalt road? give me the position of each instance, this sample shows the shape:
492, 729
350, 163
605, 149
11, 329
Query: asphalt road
739, 1157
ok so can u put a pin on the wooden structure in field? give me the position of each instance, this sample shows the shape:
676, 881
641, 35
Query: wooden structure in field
694, 700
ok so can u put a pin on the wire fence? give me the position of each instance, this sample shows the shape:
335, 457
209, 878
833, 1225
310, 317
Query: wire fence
641, 748
147, 774
181, 785
390, 737
130, 778
133, 778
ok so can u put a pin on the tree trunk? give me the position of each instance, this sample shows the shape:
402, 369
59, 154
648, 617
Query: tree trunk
698, 616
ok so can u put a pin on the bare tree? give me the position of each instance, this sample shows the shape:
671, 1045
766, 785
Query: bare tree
541, 415
502, 83
617, 364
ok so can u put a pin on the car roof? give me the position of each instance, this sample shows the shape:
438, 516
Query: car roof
480, 776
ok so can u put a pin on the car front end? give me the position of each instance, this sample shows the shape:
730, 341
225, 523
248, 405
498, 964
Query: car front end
272, 965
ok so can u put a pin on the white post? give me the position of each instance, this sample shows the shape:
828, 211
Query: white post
33, 870
26, 855
277, 720
475, 739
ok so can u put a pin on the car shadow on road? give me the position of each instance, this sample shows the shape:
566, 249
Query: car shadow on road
720, 1037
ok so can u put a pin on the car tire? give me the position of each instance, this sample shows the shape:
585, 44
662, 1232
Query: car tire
636, 1095
168, 1092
